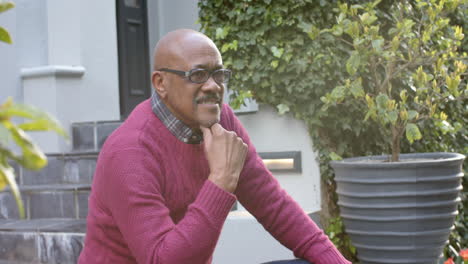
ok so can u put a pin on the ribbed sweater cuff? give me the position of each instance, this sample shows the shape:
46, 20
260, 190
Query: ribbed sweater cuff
331, 256
215, 200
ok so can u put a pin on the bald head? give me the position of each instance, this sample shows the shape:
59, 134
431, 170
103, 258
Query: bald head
174, 47
194, 103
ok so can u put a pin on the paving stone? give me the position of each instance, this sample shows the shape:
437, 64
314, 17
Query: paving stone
104, 130
19, 247
65, 225
52, 173
83, 198
33, 225
60, 247
5, 222
52, 204
83, 136
55, 187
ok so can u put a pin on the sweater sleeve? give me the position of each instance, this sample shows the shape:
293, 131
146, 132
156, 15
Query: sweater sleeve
135, 201
260, 193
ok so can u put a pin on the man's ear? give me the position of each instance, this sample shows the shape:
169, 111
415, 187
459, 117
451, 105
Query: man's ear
157, 81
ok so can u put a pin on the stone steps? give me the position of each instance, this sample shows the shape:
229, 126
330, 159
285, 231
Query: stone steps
62, 168
47, 201
51, 241
61, 189
56, 205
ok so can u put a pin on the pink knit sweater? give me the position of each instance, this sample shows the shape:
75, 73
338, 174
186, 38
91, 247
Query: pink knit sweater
151, 201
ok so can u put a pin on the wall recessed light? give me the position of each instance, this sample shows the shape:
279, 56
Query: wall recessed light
287, 161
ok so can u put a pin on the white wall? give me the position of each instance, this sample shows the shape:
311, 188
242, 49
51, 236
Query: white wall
244, 240
99, 94
271, 132
57, 38
9, 78
165, 16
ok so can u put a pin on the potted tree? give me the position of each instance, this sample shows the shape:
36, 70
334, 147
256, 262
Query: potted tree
400, 208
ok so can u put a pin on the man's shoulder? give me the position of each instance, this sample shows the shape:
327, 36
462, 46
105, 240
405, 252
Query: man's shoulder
140, 125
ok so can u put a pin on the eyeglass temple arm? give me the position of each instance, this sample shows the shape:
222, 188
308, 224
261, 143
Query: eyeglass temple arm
181, 73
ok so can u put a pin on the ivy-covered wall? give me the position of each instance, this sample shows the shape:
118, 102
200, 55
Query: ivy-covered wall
267, 46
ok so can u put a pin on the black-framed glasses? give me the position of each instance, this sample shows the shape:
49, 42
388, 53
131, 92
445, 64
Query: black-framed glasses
202, 75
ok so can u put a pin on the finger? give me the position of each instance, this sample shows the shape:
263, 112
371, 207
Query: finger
217, 129
205, 130
206, 134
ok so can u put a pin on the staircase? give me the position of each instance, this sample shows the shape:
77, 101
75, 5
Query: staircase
55, 201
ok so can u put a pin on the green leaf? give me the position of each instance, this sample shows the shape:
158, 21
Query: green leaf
40, 120
274, 64
382, 100
356, 88
277, 52
412, 132
221, 33
282, 109
377, 44
4, 6
3, 180
445, 127
337, 30
10, 109
229, 46
5, 136
334, 156
338, 93
353, 63
33, 158
44, 125
5, 36
7, 175
367, 18
238, 64
412, 114
393, 117
352, 29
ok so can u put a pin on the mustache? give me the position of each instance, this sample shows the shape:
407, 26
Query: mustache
207, 97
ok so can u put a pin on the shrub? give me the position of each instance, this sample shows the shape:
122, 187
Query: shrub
268, 44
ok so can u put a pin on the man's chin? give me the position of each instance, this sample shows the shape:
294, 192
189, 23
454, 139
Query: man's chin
209, 123
208, 118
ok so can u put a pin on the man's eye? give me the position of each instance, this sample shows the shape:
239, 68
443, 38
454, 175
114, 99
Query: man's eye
199, 75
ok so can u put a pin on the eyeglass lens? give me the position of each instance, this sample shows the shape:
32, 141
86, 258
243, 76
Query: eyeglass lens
201, 75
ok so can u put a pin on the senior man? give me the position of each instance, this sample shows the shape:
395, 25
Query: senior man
167, 178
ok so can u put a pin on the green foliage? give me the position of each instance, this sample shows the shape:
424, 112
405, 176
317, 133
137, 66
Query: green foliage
283, 58
4, 35
402, 67
337, 234
31, 157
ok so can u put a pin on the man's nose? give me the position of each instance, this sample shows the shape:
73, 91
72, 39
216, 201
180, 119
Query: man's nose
211, 86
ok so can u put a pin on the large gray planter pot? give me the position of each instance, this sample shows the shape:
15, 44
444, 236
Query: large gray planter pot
399, 212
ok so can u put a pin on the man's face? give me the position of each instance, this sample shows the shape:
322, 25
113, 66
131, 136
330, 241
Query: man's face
193, 103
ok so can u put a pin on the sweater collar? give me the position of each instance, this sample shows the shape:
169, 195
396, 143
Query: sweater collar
177, 128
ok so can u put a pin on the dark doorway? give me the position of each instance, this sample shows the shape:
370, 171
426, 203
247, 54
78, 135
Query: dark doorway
134, 72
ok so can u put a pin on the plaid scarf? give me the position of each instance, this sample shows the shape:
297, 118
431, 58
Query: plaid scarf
177, 128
